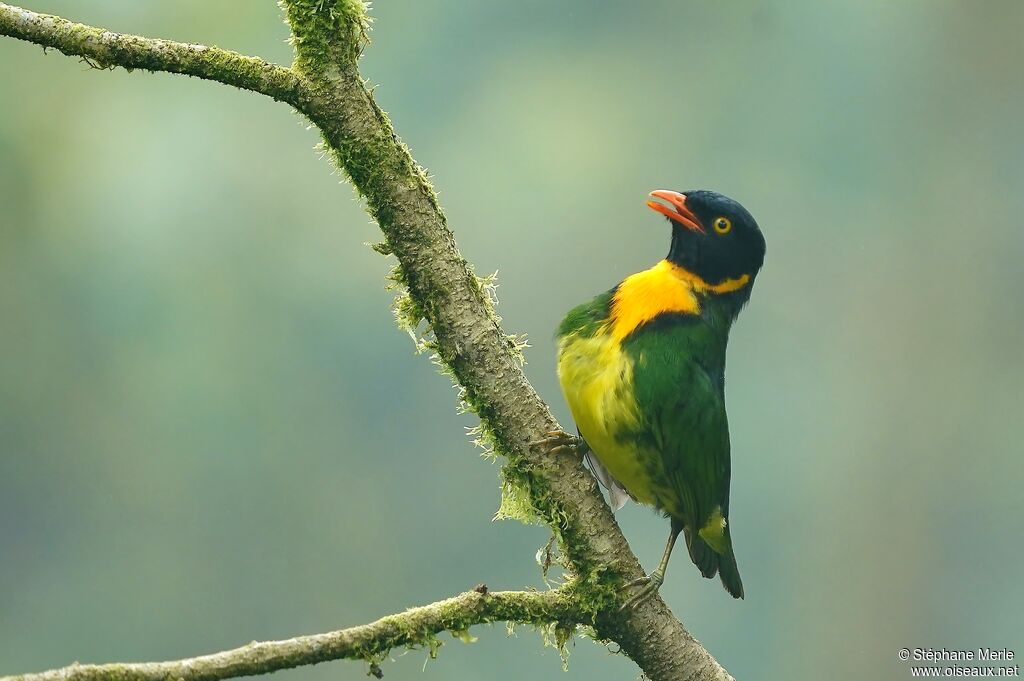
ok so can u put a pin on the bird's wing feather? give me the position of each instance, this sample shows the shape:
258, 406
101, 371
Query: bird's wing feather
685, 423
695, 445
617, 494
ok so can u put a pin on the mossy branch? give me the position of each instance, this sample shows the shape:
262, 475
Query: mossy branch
105, 49
324, 84
417, 628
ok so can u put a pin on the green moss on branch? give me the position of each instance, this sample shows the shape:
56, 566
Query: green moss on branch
414, 628
106, 49
326, 33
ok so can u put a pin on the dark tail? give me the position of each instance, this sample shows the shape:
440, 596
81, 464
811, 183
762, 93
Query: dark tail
710, 563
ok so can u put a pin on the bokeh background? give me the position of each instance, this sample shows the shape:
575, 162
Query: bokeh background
211, 430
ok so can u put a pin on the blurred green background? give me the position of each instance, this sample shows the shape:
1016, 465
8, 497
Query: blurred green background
212, 432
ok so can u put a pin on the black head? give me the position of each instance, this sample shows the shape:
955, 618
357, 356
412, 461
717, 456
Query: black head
712, 236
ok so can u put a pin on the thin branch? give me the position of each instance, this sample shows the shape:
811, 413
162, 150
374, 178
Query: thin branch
104, 49
370, 642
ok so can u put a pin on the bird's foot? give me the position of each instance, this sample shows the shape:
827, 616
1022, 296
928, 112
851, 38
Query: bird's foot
558, 442
648, 587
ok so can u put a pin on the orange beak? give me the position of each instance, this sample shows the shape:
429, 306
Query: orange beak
678, 210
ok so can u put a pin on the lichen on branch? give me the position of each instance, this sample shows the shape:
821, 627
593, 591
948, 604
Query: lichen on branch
106, 49
414, 628
326, 31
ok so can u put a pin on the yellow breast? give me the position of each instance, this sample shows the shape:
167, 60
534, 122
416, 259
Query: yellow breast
596, 377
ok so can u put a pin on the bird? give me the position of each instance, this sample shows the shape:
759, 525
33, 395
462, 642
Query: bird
642, 368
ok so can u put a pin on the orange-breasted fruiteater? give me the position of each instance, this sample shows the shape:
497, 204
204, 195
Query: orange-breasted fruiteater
642, 367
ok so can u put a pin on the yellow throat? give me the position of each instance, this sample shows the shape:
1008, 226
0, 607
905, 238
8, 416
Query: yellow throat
666, 287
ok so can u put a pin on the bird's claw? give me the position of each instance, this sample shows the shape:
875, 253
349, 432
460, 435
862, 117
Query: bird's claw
649, 586
558, 442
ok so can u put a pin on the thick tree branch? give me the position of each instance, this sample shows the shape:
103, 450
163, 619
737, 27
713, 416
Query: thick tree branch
328, 36
370, 642
105, 49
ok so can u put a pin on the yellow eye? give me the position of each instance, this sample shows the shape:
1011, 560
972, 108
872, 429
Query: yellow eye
722, 225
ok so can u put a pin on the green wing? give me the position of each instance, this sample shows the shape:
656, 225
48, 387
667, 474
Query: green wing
678, 376
683, 411
587, 318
